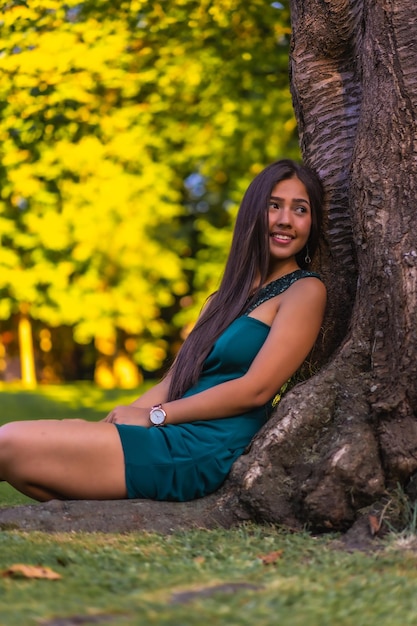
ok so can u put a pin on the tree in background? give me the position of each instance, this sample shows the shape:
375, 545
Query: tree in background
129, 131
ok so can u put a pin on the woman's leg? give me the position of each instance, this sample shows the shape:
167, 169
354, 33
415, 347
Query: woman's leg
64, 459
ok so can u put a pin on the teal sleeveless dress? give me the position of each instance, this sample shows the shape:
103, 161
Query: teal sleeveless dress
181, 462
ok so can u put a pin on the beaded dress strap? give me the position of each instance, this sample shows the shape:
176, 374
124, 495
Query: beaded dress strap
278, 286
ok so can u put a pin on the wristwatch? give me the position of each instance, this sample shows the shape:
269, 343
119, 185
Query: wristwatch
157, 415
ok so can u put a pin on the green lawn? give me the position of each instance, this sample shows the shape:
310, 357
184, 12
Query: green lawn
197, 577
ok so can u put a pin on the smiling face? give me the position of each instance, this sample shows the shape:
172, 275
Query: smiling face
289, 219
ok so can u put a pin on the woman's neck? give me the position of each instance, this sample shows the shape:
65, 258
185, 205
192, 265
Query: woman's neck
276, 272
281, 269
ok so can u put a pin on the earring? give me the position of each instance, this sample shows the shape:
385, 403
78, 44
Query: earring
307, 257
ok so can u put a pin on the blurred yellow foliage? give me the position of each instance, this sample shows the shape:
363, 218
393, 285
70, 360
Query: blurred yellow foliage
107, 109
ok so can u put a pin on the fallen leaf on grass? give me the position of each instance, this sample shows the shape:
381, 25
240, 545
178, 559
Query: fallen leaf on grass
199, 559
374, 524
271, 557
30, 571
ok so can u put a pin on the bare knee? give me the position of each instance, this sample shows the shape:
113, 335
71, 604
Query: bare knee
15, 452
13, 445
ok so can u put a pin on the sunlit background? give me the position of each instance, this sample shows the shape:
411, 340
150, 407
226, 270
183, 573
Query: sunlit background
129, 132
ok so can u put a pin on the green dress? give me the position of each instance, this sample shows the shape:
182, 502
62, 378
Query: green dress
182, 462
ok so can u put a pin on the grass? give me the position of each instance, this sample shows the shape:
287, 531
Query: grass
198, 577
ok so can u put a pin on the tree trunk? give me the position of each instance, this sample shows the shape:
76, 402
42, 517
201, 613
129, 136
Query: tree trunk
27, 360
340, 440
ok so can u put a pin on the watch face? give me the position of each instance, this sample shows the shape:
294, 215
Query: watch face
158, 416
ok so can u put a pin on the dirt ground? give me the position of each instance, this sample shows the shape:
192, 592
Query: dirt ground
124, 516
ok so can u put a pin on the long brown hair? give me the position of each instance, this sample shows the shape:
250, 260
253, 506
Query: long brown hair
247, 261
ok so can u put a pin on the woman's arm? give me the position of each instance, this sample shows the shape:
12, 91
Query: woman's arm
291, 338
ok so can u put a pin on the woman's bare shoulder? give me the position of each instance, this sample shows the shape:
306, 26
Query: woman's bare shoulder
309, 289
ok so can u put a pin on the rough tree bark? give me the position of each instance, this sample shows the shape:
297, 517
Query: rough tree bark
340, 439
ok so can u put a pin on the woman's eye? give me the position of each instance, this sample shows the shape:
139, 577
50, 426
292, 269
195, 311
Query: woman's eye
273, 205
301, 209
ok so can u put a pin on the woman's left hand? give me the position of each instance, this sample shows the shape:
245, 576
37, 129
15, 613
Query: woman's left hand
132, 415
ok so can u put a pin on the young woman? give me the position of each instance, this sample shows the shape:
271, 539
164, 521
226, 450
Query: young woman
179, 440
